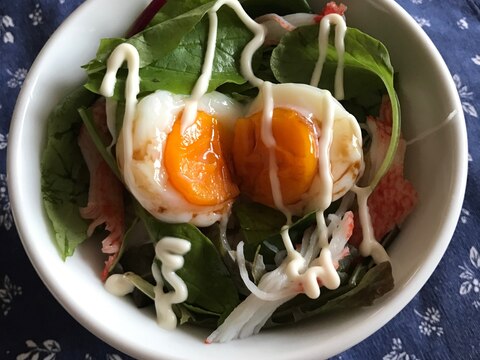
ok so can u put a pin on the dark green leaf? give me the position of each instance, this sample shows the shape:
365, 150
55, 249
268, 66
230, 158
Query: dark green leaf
64, 173
172, 53
257, 222
209, 284
294, 59
376, 282
138, 260
193, 315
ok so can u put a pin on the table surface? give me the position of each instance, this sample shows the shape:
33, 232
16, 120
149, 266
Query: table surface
441, 322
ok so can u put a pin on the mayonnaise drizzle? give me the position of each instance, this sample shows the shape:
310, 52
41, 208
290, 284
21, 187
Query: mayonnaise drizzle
201, 86
268, 139
119, 285
323, 34
170, 251
369, 246
321, 268
324, 172
124, 52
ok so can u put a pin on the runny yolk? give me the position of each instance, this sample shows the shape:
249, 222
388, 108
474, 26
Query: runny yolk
196, 164
295, 151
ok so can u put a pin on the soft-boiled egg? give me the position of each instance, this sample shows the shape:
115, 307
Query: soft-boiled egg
296, 126
181, 175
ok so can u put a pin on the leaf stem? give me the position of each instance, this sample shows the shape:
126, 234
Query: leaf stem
394, 139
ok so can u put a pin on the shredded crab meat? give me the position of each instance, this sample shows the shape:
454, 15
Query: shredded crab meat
332, 8
275, 288
277, 25
105, 195
394, 198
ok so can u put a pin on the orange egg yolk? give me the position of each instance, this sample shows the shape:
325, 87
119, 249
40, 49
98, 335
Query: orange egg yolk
196, 163
296, 156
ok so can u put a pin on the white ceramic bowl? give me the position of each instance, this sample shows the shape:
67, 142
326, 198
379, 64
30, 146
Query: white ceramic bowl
437, 166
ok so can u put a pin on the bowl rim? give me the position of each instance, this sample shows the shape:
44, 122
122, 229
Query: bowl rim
406, 294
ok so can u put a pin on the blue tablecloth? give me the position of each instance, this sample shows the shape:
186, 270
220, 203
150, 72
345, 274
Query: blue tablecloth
443, 320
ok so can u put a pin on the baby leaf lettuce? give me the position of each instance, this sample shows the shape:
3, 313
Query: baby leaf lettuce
210, 286
294, 59
172, 52
367, 66
64, 173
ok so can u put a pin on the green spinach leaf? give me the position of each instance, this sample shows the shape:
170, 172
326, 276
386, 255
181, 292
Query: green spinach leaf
64, 174
172, 53
210, 286
294, 59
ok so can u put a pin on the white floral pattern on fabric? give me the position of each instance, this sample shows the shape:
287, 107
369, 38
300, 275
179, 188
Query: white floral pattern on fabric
471, 285
476, 59
430, 323
465, 96
6, 22
464, 215
17, 78
3, 139
8, 292
107, 357
398, 353
462, 23
36, 16
6, 218
48, 350
422, 21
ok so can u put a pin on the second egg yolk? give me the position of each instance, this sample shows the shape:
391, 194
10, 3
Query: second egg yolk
196, 164
296, 156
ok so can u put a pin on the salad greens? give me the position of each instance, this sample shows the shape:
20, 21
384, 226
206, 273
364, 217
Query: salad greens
87, 118
366, 63
260, 229
171, 53
64, 173
210, 286
171, 49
